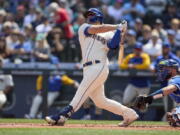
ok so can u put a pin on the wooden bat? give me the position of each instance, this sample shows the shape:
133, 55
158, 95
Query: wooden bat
121, 49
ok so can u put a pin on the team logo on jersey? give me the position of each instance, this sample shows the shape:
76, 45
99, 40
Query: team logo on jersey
99, 38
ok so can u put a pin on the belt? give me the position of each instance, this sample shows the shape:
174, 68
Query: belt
91, 62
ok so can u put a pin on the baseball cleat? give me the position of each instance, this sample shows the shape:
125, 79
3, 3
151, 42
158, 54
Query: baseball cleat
55, 120
129, 118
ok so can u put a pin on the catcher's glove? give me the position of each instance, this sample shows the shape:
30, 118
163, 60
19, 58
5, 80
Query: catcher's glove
141, 103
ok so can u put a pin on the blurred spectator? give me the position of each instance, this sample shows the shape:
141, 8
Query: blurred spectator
3, 4
38, 20
107, 2
18, 51
55, 83
132, 10
6, 87
41, 6
20, 14
155, 7
44, 27
62, 19
146, 34
159, 27
154, 46
30, 17
92, 3
6, 30
42, 51
78, 22
10, 18
29, 36
175, 25
77, 8
107, 19
171, 34
170, 13
4, 51
137, 85
2, 18
130, 42
65, 4
116, 10
55, 42
138, 27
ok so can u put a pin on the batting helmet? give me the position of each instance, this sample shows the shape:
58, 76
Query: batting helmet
94, 15
164, 73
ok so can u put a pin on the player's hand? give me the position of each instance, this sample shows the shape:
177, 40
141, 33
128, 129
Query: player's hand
123, 26
131, 66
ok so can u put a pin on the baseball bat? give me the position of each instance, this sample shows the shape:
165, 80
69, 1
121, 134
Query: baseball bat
121, 49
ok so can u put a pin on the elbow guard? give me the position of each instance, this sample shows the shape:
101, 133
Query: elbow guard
114, 42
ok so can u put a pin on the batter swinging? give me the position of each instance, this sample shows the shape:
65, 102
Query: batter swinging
96, 39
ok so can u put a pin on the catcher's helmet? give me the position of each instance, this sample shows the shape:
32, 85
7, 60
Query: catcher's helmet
164, 73
94, 15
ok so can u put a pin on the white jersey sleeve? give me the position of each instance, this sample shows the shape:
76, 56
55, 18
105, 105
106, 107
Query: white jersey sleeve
81, 31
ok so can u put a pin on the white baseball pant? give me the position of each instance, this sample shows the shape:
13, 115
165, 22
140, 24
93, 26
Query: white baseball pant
92, 86
37, 101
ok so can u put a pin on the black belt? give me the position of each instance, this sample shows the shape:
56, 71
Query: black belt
91, 62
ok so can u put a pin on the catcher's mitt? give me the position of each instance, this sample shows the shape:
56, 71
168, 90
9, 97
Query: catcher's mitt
141, 103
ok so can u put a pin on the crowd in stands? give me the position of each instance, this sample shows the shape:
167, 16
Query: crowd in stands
46, 30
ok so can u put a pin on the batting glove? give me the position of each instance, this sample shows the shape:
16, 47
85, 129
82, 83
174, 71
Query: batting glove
123, 26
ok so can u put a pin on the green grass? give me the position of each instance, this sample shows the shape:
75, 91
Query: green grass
41, 131
77, 131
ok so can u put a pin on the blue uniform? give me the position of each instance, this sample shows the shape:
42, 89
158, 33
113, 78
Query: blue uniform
55, 83
140, 82
176, 94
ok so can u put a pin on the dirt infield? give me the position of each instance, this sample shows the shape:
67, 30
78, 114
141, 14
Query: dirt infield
90, 126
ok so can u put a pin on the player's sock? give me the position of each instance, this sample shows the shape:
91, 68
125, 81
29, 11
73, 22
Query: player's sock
66, 111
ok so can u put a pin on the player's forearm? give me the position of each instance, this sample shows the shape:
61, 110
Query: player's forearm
94, 29
164, 91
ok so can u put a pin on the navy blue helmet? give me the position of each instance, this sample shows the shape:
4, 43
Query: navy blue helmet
94, 15
164, 66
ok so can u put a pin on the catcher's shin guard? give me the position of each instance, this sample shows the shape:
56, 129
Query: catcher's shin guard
61, 117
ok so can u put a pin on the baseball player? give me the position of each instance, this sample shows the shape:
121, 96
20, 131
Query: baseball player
55, 83
96, 39
6, 87
167, 70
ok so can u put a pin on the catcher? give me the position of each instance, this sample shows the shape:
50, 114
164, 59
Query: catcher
167, 70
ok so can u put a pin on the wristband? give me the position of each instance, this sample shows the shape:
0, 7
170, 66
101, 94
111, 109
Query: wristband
157, 92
